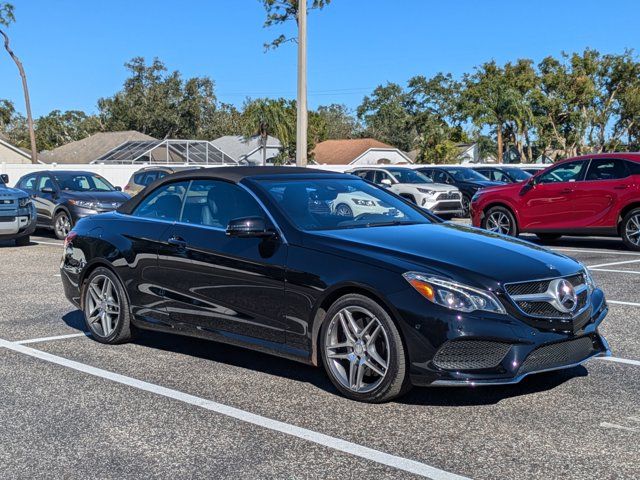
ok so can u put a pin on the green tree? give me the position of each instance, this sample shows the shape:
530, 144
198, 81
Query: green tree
282, 11
58, 128
338, 122
7, 111
277, 116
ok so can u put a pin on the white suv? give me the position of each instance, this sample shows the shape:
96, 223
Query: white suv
441, 199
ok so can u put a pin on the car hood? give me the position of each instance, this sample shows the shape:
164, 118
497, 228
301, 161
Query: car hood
100, 197
12, 193
437, 187
459, 252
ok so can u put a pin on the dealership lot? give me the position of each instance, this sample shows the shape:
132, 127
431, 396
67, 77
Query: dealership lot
159, 407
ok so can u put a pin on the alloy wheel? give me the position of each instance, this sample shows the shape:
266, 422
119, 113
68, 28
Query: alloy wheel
102, 306
633, 229
357, 350
466, 205
63, 225
499, 222
343, 210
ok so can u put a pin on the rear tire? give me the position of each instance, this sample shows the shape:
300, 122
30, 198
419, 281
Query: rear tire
548, 237
362, 351
23, 241
630, 229
106, 308
500, 220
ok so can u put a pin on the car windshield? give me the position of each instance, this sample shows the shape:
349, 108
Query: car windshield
517, 174
330, 204
466, 175
83, 182
406, 175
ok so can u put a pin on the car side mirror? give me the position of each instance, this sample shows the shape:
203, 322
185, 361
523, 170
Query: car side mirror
48, 190
528, 185
248, 227
5, 178
118, 189
386, 182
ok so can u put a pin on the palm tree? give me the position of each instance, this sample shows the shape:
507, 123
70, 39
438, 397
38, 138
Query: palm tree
275, 117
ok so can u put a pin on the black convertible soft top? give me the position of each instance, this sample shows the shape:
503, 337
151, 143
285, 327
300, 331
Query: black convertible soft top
227, 174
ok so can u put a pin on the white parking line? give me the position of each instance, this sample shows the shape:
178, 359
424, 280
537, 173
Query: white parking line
612, 264
50, 339
618, 302
345, 446
593, 250
620, 360
632, 272
47, 243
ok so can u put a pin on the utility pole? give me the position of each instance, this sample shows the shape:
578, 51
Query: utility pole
301, 127
23, 75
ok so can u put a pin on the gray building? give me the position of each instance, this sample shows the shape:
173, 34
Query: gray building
248, 149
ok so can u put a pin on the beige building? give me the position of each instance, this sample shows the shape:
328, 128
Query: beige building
12, 154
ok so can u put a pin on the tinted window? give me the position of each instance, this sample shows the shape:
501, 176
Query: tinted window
312, 204
380, 175
361, 174
518, 174
149, 178
634, 168
83, 182
215, 203
440, 176
606, 169
567, 172
406, 175
164, 202
45, 182
28, 182
464, 174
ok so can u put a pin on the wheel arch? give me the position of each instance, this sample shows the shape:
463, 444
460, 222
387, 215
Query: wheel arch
623, 212
57, 210
322, 306
89, 268
505, 205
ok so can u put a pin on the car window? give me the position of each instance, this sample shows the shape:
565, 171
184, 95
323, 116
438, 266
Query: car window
499, 176
28, 182
380, 176
215, 203
634, 168
361, 173
149, 178
518, 174
440, 176
45, 182
83, 182
164, 203
406, 175
319, 204
464, 174
486, 173
566, 172
606, 169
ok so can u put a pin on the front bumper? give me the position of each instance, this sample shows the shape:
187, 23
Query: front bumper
443, 207
17, 226
498, 349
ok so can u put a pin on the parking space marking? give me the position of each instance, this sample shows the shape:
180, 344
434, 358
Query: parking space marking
632, 272
400, 463
618, 302
50, 339
593, 250
612, 264
620, 360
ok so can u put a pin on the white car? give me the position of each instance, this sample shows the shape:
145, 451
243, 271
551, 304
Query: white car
440, 198
358, 203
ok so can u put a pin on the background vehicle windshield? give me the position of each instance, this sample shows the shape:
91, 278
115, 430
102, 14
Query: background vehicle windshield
466, 175
518, 175
83, 182
406, 175
316, 204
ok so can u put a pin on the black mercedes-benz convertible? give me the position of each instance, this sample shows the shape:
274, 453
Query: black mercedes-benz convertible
385, 299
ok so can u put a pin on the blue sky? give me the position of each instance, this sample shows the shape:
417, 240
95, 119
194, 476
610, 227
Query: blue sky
74, 50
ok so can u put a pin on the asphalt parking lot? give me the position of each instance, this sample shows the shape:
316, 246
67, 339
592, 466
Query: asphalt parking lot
182, 408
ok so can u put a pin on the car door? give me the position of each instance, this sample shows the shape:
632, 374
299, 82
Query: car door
218, 284
45, 198
549, 202
606, 183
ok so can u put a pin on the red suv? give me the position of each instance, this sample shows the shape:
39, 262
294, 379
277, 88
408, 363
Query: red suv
590, 195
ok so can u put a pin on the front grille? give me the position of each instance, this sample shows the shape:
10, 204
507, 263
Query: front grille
447, 206
470, 354
558, 354
539, 286
449, 196
544, 309
7, 219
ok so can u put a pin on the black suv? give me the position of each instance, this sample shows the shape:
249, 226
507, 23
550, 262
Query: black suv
466, 179
64, 197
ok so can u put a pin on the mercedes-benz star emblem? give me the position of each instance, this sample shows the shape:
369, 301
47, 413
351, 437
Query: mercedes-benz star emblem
565, 295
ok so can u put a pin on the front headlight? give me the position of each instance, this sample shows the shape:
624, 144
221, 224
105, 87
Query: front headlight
83, 204
363, 203
588, 279
24, 202
454, 295
427, 191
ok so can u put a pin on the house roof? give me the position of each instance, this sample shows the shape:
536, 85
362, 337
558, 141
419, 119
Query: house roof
90, 148
21, 151
238, 147
343, 152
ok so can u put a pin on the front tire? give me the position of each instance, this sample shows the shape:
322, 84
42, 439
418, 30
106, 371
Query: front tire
362, 351
344, 210
500, 220
62, 225
630, 229
106, 308
466, 205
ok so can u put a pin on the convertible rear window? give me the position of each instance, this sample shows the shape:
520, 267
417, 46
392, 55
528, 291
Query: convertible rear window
329, 204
